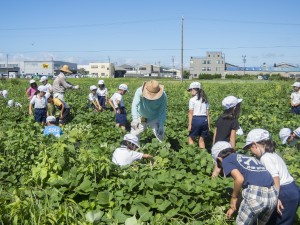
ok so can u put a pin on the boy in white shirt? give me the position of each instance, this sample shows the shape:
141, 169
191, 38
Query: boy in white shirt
126, 154
295, 98
102, 94
288, 136
39, 102
93, 99
117, 103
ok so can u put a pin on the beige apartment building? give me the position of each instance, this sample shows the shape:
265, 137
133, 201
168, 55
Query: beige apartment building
212, 63
101, 69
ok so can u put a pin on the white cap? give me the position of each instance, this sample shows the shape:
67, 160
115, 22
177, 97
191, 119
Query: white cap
230, 102
10, 103
284, 134
218, 147
43, 78
42, 88
296, 84
51, 119
101, 82
32, 81
123, 87
194, 85
4, 93
93, 87
297, 131
256, 135
132, 138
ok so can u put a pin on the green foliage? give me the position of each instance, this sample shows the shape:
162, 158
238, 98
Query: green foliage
71, 180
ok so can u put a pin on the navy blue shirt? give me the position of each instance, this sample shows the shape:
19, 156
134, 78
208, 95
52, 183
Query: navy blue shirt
253, 171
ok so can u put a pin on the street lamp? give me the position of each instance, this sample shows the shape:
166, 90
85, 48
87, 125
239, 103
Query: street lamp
244, 61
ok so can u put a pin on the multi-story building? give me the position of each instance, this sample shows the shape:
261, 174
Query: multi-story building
212, 63
100, 69
10, 69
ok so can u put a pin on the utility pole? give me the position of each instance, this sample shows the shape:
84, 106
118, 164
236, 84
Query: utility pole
7, 65
108, 59
244, 61
182, 20
173, 62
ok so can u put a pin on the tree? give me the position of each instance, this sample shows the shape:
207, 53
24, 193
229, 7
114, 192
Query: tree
82, 71
186, 74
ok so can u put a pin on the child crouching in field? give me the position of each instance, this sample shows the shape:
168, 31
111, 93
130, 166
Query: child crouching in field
64, 109
39, 102
93, 99
117, 103
126, 153
259, 194
295, 98
290, 137
51, 128
198, 115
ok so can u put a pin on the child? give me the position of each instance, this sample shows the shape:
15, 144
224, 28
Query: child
12, 103
260, 144
227, 124
63, 107
126, 154
39, 102
287, 135
117, 103
93, 99
198, 115
295, 98
31, 90
4, 93
102, 94
259, 194
51, 128
49, 90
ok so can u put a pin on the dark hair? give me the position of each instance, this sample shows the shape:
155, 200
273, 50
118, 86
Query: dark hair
201, 94
232, 113
102, 85
51, 96
33, 84
223, 154
269, 145
129, 145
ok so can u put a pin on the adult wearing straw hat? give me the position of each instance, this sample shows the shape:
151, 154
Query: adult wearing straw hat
60, 85
149, 109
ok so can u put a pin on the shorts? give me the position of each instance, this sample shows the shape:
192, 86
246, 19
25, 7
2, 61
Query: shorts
102, 101
199, 127
65, 115
296, 110
40, 115
121, 118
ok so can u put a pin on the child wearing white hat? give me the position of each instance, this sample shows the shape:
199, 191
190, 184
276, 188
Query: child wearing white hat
259, 193
117, 103
261, 145
198, 115
4, 93
126, 154
51, 128
63, 107
227, 124
39, 102
102, 94
32, 89
93, 99
288, 136
295, 98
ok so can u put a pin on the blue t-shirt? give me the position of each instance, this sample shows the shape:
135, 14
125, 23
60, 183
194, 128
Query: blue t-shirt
55, 130
253, 171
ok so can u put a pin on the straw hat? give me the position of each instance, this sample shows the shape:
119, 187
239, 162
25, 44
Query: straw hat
152, 90
65, 68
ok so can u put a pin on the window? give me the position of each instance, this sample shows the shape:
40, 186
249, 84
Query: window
107, 68
2, 66
218, 61
203, 69
204, 62
102, 66
94, 66
102, 74
208, 69
216, 68
208, 61
191, 62
142, 68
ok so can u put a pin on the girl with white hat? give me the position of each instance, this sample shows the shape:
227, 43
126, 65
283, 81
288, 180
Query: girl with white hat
126, 153
39, 102
261, 145
31, 90
93, 99
198, 115
295, 98
102, 94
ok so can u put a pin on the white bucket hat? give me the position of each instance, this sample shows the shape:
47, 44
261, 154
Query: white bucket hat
101, 82
218, 147
50, 119
194, 85
297, 131
42, 88
32, 81
93, 87
132, 139
10, 103
284, 134
230, 102
4, 93
256, 135
43, 78
123, 87
296, 84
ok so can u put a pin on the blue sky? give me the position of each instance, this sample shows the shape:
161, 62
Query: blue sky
138, 32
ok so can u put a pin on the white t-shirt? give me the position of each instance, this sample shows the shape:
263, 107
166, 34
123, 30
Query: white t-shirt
295, 97
39, 102
123, 156
198, 106
103, 92
297, 131
93, 97
117, 97
276, 167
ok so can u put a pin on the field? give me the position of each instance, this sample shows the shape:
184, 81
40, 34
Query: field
71, 180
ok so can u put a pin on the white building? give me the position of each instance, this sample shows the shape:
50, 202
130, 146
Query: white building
48, 68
